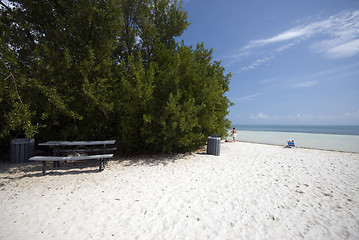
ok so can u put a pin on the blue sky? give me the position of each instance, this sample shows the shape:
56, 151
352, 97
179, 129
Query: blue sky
293, 62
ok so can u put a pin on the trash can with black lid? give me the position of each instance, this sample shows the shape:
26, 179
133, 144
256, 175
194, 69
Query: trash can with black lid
21, 149
213, 145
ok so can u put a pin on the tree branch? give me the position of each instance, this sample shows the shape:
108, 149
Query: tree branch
13, 79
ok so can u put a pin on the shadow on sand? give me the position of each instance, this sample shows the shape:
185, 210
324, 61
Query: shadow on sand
150, 160
13, 171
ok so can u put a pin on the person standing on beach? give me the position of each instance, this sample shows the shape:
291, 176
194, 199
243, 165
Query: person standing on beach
234, 134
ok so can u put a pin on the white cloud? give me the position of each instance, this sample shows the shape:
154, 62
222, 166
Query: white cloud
258, 116
319, 117
306, 84
256, 63
338, 118
286, 46
338, 73
341, 32
235, 57
301, 116
248, 98
344, 32
291, 34
266, 81
347, 49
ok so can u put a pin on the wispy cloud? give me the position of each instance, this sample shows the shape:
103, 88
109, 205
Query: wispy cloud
291, 34
338, 73
286, 46
342, 31
256, 63
353, 116
300, 116
248, 97
266, 81
258, 116
339, 38
309, 117
306, 84
337, 48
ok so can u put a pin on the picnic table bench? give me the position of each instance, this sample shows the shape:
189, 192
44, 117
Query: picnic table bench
73, 148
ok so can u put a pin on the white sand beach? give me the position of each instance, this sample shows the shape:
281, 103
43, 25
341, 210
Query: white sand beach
250, 191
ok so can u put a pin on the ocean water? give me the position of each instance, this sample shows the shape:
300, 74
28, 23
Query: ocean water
338, 138
323, 129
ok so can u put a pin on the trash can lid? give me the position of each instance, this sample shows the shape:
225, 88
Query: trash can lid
214, 138
21, 140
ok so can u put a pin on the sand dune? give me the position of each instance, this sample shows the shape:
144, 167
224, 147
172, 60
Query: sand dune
251, 191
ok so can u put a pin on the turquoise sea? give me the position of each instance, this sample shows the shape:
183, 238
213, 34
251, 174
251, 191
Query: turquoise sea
334, 137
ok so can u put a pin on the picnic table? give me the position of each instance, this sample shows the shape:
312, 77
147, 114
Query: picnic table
76, 150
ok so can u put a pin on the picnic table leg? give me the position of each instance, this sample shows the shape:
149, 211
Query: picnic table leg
43, 168
101, 165
104, 151
56, 153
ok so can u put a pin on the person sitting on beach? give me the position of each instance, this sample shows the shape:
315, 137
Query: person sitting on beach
234, 134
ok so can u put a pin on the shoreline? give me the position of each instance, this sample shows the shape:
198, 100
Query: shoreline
250, 191
279, 145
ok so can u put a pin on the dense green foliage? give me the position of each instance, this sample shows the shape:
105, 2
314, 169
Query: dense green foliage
108, 69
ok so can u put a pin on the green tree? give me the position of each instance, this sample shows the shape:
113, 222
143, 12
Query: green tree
108, 69
59, 54
189, 98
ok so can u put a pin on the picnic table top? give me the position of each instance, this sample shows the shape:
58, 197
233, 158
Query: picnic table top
77, 143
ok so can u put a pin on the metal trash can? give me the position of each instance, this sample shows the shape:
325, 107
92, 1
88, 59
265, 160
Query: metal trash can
21, 149
213, 145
